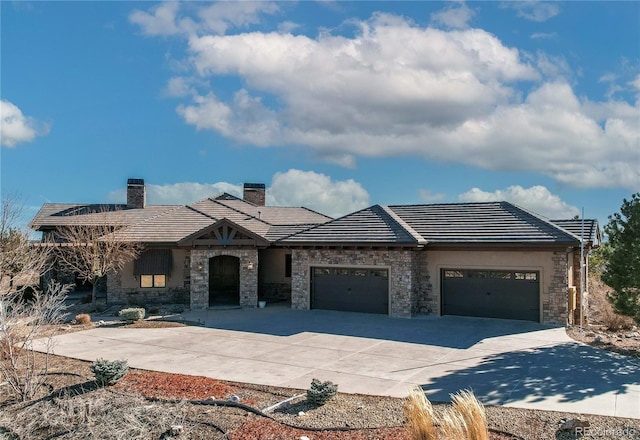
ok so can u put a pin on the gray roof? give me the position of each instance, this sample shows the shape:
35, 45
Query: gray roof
575, 226
373, 225
52, 215
491, 222
167, 224
451, 223
398, 225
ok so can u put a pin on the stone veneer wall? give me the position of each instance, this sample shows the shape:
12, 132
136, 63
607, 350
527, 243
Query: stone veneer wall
399, 262
555, 300
426, 302
200, 278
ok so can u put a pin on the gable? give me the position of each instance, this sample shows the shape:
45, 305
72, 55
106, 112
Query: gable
224, 233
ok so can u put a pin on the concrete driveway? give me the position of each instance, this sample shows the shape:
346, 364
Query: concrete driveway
512, 363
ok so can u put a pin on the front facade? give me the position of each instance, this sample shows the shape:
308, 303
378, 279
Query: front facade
493, 260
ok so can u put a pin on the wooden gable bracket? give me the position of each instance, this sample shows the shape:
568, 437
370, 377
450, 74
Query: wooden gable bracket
224, 233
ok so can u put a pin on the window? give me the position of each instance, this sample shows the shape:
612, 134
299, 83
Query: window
287, 266
153, 280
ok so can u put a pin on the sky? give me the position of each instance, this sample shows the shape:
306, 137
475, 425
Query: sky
333, 105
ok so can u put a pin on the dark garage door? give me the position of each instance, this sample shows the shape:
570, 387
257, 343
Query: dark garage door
350, 290
491, 293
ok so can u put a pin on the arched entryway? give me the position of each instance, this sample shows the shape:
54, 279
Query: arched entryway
224, 281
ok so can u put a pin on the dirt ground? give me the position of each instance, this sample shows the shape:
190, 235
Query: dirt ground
604, 328
153, 405
145, 405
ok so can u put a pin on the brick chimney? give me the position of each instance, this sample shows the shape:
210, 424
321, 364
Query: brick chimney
254, 193
136, 194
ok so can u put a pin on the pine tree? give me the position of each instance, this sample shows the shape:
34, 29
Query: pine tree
622, 272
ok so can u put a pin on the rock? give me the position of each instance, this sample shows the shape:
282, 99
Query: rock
176, 430
572, 424
597, 339
301, 413
304, 437
211, 398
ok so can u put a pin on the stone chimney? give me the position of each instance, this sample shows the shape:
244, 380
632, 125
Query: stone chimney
136, 194
254, 193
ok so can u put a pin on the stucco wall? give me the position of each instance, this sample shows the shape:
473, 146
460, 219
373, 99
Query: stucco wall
272, 280
400, 264
551, 265
124, 287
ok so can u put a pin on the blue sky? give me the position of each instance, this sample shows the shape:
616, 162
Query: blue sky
334, 105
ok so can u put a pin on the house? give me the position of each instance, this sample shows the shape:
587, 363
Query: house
474, 259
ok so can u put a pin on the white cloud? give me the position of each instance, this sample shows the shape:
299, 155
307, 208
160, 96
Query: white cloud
16, 127
456, 16
221, 16
428, 196
534, 10
182, 193
291, 188
397, 89
544, 36
318, 192
286, 27
178, 87
164, 19
555, 67
536, 198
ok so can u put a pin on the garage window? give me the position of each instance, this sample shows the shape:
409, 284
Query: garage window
507, 294
350, 289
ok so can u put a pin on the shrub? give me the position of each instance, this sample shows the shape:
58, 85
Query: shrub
420, 416
614, 321
132, 314
22, 370
109, 372
472, 413
321, 392
465, 419
83, 318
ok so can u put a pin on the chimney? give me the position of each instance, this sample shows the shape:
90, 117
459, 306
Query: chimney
254, 193
136, 194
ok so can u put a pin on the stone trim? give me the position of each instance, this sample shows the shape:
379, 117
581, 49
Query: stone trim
400, 264
199, 279
555, 300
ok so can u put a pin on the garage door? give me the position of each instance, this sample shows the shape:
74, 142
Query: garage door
491, 293
350, 290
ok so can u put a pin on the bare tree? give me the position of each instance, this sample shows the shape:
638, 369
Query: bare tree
93, 251
22, 262
26, 325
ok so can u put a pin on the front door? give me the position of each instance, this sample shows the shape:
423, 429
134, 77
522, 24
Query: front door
224, 281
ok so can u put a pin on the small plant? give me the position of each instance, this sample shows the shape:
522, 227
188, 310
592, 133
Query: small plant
465, 419
132, 314
614, 321
472, 413
83, 318
321, 392
420, 416
109, 372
